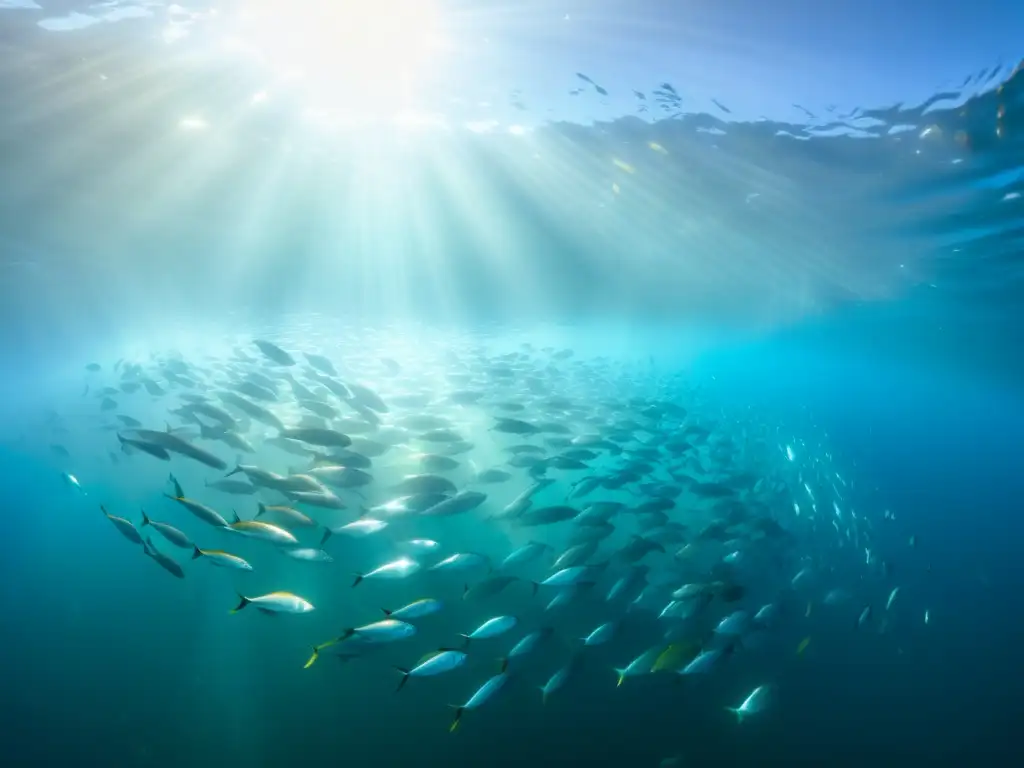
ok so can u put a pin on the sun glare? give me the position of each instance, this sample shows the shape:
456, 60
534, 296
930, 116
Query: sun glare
366, 58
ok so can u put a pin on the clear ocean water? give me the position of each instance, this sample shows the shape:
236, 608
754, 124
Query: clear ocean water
599, 221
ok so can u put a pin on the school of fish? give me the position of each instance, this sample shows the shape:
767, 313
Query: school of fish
581, 507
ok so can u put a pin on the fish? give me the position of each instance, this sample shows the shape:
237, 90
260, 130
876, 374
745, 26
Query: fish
639, 509
459, 504
275, 602
326, 438
72, 482
481, 696
546, 516
365, 526
156, 451
169, 532
285, 516
462, 561
203, 512
415, 610
489, 587
753, 704
388, 630
124, 526
703, 662
168, 564
437, 663
255, 529
171, 443
892, 598
601, 634
223, 560
524, 554
528, 644
555, 682
307, 554
273, 352
493, 627
400, 568
641, 665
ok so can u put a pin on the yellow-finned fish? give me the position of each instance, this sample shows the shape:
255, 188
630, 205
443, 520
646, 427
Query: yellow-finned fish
256, 529
275, 602
222, 559
124, 526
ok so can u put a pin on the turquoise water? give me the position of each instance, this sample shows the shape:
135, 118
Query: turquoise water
832, 300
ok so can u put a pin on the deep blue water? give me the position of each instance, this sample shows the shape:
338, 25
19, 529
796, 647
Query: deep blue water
858, 284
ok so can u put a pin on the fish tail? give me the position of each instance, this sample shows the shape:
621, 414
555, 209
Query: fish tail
196, 554
458, 718
387, 613
261, 509
312, 659
535, 587
145, 519
358, 579
242, 602
235, 471
173, 498
177, 486
404, 680
237, 519
327, 535
621, 675
543, 694
736, 711
465, 640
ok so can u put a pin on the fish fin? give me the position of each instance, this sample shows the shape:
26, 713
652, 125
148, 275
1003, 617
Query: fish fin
327, 535
312, 658
236, 519
345, 635
736, 711
404, 680
242, 602
458, 718
503, 663
535, 588
177, 486
387, 612
358, 579
465, 641
261, 509
196, 552
621, 675
145, 519
465, 590
173, 498
543, 694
